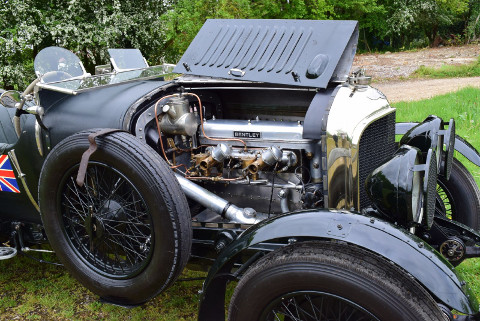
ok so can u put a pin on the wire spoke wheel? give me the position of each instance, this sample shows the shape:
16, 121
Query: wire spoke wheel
107, 221
126, 233
315, 306
444, 205
328, 281
459, 197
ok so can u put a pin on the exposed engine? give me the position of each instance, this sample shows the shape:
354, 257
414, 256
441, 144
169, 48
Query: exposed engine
259, 164
269, 151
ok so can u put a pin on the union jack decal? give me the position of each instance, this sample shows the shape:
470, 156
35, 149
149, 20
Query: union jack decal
8, 183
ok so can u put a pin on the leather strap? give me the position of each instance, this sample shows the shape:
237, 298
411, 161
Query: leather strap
82, 170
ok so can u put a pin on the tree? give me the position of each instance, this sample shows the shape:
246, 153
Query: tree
187, 17
472, 28
369, 13
19, 35
410, 17
86, 27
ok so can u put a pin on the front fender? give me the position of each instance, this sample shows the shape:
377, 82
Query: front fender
461, 145
406, 250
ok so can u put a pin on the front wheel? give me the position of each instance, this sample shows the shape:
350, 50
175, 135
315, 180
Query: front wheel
125, 234
459, 197
329, 281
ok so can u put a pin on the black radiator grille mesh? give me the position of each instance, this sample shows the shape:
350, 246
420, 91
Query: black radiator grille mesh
377, 144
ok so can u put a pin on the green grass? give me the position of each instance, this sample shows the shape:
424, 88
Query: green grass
464, 106
449, 71
35, 291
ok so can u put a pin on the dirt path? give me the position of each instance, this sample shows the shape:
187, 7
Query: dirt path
387, 69
412, 90
392, 66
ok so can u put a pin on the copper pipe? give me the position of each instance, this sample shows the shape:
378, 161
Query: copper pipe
203, 130
158, 127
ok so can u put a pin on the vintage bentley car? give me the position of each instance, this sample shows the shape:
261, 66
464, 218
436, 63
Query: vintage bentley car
266, 160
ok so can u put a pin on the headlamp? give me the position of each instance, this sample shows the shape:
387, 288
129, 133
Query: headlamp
404, 188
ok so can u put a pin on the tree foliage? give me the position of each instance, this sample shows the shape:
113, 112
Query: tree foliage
162, 29
87, 27
414, 18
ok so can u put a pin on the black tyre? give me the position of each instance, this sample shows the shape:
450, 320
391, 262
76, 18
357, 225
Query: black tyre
459, 197
329, 281
126, 234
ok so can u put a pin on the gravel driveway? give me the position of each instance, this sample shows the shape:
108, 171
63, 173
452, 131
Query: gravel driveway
388, 69
412, 90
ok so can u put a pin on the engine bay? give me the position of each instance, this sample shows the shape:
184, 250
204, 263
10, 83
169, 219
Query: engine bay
251, 154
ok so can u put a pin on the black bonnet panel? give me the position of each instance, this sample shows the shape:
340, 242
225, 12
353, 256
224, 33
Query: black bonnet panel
306, 53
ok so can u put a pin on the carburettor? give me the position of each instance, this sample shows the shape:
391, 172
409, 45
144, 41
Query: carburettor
177, 118
249, 161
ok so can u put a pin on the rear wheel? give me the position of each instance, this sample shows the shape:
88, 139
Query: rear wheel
459, 197
126, 233
329, 281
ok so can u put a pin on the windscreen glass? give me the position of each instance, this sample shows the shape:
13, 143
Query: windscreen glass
79, 85
127, 58
55, 63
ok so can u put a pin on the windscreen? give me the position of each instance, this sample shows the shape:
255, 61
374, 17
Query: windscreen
126, 59
55, 63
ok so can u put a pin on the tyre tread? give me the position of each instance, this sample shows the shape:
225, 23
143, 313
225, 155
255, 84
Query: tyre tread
335, 256
144, 160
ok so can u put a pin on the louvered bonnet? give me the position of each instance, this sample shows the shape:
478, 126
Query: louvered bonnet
306, 53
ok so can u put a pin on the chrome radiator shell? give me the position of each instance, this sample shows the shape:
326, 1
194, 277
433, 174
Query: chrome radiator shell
352, 111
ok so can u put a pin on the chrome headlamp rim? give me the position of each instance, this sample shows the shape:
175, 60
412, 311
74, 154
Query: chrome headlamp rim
417, 195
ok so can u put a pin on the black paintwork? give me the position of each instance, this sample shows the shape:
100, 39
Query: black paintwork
467, 150
390, 186
64, 116
416, 257
318, 114
292, 52
101, 108
461, 145
423, 135
17, 206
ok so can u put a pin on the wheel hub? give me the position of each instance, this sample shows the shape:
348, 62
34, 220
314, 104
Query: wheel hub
94, 226
453, 249
107, 222
110, 214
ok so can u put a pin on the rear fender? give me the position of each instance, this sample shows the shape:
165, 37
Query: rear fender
406, 250
461, 145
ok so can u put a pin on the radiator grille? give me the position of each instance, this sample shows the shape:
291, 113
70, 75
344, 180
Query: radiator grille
377, 145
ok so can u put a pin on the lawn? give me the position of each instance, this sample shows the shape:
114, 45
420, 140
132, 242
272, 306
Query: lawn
449, 71
464, 106
35, 291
